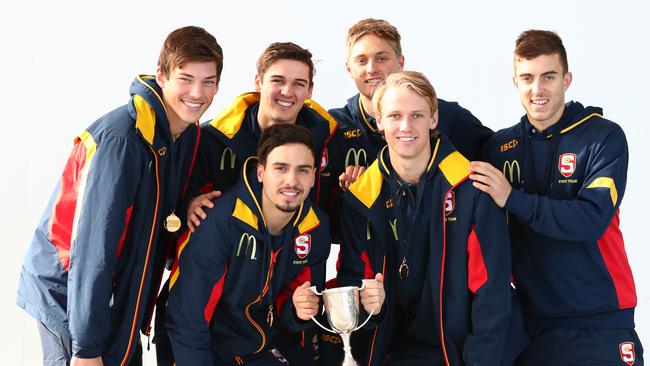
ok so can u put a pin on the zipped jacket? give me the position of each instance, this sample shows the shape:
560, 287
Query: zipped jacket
570, 264
97, 255
469, 259
232, 290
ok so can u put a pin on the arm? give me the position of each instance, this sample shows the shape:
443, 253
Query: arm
100, 185
584, 218
463, 129
195, 291
488, 267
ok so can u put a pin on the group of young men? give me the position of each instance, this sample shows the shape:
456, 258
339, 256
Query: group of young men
481, 248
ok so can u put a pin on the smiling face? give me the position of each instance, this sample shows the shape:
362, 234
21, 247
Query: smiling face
541, 83
370, 60
188, 92
406, 121
283, 88
286, 177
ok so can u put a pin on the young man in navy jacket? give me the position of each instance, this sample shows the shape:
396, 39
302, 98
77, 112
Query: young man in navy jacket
95, 264
243, 273
560, 174
374, 51
441, 245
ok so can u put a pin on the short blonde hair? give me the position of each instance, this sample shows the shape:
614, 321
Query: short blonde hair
412, 80
376, 27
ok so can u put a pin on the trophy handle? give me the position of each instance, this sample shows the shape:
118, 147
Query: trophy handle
363, 283
321, 325
364, 323
314, 290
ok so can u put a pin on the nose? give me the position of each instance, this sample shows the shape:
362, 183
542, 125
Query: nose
405, 124
291, 178
536, 86
286, 90
371, 67
196, 90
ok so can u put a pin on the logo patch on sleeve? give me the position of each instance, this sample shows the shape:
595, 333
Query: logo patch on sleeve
567, 164
324, 160
302, 245
450, 203
626, 350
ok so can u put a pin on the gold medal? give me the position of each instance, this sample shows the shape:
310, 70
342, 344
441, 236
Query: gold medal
172, 223
403, 269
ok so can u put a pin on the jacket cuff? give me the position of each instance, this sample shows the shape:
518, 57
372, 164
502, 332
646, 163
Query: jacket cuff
86, 352
520, 203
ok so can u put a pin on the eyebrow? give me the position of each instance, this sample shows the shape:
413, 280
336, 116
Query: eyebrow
192, 76
284, 78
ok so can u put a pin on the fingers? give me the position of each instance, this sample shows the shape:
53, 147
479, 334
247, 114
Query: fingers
305, 301
351, 174
344, 181
195, 211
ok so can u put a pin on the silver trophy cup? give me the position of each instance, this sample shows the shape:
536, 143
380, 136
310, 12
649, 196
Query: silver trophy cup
342, 309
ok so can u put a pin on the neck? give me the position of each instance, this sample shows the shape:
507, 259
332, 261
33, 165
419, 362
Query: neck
264, 121
276, 220
366, 103
410, 169
176, 128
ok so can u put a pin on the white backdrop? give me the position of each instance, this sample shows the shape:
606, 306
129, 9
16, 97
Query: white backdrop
65, 64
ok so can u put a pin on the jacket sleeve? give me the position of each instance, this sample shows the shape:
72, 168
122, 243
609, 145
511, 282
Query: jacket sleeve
195, 291
355, 262
314, 272
106, 179
488, 277
588, 216
463, 129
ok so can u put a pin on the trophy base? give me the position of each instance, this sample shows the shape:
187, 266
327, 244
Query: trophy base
348, 360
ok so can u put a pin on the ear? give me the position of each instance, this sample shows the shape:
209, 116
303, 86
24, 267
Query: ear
514, 81
260, 172
434, 120
311, 89
401, 63
568, 78
380, 125
258, 82
160, 78
347, 68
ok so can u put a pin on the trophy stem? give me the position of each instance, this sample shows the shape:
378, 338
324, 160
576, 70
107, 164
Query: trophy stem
348, 360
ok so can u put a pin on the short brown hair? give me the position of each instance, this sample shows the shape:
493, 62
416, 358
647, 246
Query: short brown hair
284, 51
377, 27
282, 134
412, 80
535, 42
189, 44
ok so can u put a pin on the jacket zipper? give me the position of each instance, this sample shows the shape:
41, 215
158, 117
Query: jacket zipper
269, 275
146, 263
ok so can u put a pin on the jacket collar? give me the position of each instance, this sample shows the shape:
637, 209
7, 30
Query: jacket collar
148, 109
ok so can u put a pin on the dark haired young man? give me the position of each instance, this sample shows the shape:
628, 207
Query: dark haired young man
243, 273
561, 174
93, 269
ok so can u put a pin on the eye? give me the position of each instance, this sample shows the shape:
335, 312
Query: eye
549, 77
300, 84
303, 170
361, 61
209, 82
185, 79
394, 115
382, 59
418, 115
276, 81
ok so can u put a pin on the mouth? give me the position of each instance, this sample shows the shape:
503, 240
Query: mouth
407, 139
191, 104
285, 103
374, 81
290, 193
539, 102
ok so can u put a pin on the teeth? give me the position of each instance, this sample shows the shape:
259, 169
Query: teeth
539, 102
406, 139
284, 104
291, 194
192, 104
374, 81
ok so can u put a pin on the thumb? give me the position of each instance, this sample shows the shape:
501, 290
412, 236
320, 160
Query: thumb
379, 277
215, 194
305, 285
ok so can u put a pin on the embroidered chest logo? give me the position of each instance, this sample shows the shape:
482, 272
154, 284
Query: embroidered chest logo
229, 161
356, 157
567, 164
250, 243
450, 202
352, 133
302, 245
512, 171
324, 159
626, 350
509, 145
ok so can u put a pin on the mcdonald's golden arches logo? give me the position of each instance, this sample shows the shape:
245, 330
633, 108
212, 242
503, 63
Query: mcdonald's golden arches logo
356, 156
250, 242
512, 170
228, 152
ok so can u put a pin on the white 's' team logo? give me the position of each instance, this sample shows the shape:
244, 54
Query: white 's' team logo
567, 164
450, 202
627, 352
324, 160
302, 245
